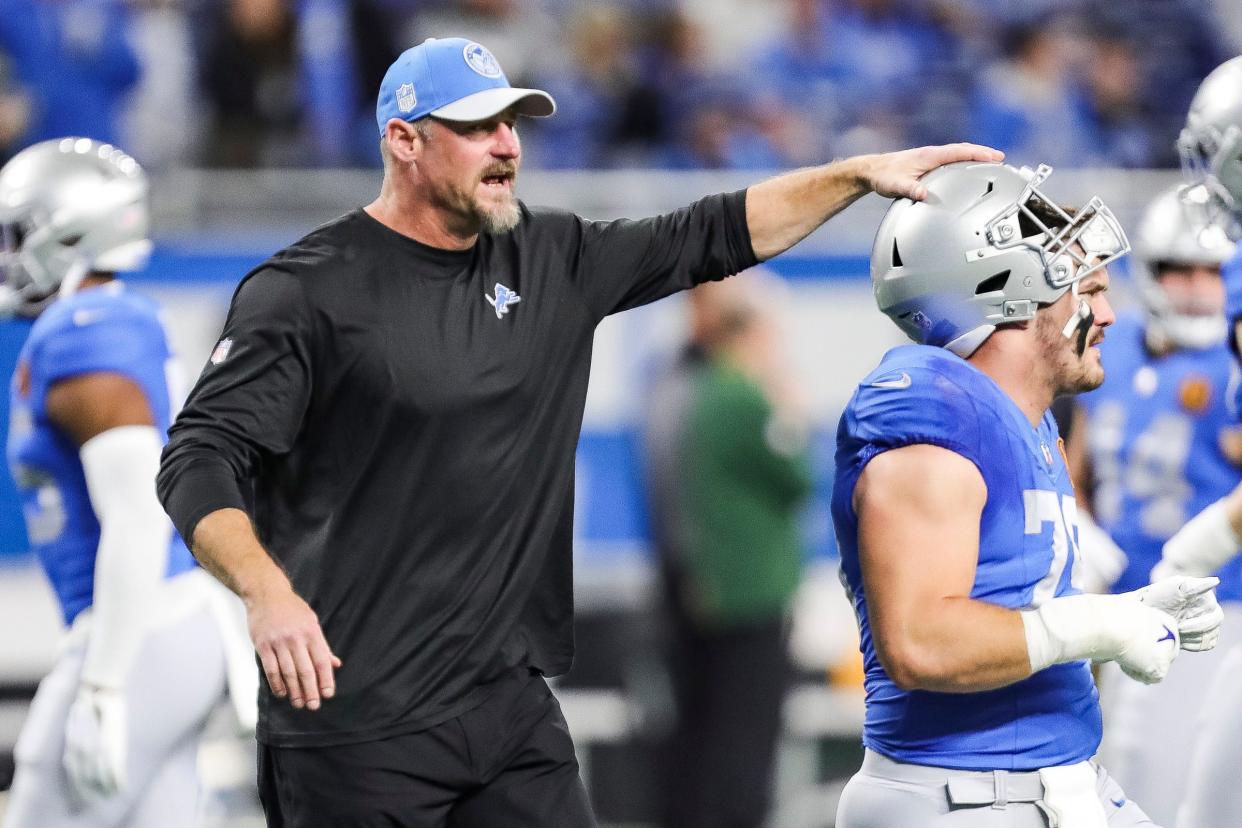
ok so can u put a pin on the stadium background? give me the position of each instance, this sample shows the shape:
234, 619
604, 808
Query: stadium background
253, 117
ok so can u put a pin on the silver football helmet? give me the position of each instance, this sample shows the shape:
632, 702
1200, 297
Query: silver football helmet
1211, 146
986, 247
68, 207
1169, 235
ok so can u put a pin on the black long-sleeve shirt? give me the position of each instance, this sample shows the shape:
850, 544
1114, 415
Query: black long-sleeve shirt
403, 438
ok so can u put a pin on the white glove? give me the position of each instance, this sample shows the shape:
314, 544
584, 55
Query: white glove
1192, 602
96, 742
1141, 639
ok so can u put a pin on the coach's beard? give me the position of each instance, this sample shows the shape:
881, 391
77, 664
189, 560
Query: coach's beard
498, 218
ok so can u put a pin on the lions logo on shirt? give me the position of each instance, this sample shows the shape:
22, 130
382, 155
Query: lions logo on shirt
503, 299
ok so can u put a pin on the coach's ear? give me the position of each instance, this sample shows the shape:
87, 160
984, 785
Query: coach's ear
403, 141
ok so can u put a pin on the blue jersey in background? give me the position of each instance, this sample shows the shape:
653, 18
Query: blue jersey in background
1232, 274
1153, 437
1027, 553
102, 329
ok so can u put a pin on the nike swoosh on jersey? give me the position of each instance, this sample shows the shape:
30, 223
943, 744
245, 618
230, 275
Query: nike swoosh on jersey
903, 381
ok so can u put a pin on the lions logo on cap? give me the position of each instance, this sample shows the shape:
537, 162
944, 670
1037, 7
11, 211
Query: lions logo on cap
481, 60
406, 98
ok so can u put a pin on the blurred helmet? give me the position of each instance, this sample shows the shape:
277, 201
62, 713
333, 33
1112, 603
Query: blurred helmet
1211, 145
1169, 235
985, 247
68, 207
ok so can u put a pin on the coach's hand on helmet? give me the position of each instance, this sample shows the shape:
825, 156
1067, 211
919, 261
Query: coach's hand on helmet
292, 649
897, 174
1192, 603
96, 742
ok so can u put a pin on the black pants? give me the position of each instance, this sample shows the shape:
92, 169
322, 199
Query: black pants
507, 762
729, 687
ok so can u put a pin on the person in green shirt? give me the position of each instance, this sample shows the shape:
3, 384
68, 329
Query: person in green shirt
728, 474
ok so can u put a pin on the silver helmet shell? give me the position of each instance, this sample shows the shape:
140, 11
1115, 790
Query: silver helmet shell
976, 253
68, 207
1169, 234
1211, 145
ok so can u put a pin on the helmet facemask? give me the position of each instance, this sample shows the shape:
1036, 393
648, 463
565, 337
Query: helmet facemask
1212, 163
22, 293
68, 208
986, 248
1071, 246
1173, 236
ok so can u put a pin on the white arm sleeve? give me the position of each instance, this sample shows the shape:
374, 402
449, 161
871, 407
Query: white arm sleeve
1205, 544
1103, 560
120, 466
1071, 629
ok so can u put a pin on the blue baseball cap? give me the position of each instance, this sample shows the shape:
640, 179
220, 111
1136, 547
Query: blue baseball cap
453, 79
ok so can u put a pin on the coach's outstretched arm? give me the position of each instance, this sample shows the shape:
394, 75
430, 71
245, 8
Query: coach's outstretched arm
784, 210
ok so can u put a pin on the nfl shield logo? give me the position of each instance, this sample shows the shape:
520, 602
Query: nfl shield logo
221, 352
406, 98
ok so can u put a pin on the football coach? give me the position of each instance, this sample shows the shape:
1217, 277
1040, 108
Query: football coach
379, 455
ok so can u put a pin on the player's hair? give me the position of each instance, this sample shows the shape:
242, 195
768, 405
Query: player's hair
1046, 213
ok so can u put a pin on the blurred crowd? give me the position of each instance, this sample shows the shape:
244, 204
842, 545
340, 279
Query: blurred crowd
681, 84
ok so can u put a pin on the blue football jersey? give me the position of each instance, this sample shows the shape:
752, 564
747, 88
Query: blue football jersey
1028, 542
1232, 274
1154, 439
102, 329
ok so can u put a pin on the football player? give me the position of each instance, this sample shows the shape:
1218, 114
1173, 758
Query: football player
111, 738
1211, 149
957, 521
1149, 450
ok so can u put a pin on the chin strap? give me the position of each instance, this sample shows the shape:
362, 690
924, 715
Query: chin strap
74, 277
1080, 322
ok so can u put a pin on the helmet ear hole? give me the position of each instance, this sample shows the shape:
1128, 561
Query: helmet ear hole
896, 255
993, 283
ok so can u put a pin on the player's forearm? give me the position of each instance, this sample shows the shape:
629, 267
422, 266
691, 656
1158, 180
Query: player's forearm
958, 645
782, 211
226, 545
1207, 542
1233, 507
